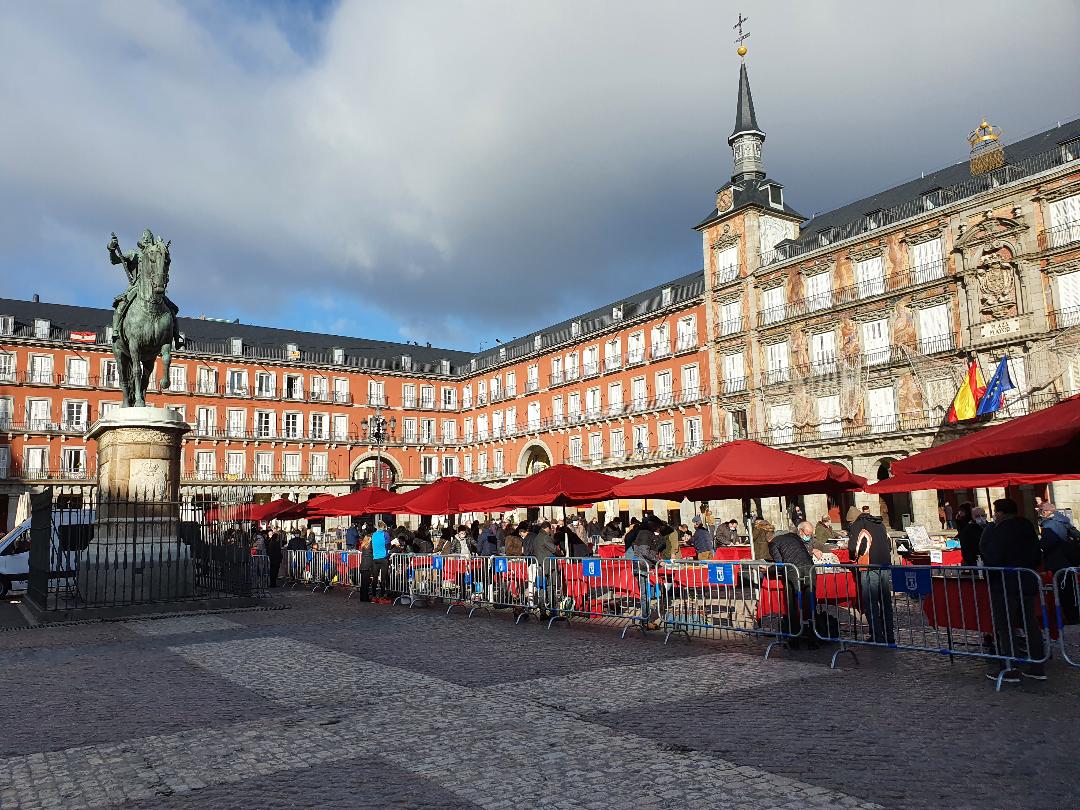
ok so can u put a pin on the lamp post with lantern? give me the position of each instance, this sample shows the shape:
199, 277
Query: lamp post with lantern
378, 431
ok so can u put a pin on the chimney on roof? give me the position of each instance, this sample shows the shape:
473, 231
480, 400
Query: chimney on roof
37, 298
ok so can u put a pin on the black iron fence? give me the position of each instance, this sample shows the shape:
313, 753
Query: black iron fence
89, 549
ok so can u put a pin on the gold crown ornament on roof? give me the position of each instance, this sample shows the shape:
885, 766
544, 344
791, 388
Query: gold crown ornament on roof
987, 153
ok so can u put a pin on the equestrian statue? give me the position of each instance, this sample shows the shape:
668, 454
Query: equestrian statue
144, 319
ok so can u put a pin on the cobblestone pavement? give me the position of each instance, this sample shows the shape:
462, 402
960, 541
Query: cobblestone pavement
333, 703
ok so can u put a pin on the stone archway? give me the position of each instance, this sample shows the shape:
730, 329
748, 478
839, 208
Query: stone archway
895, 504
364, 471
535, 456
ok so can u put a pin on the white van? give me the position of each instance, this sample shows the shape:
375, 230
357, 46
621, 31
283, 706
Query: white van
71, 532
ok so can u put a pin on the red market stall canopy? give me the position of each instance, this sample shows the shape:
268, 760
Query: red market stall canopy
558, 485
741, 469
447, 496
365, 501
249, 512
909, 482
304, 509
1040, 443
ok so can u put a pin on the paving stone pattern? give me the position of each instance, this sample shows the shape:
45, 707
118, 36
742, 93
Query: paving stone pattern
339, 704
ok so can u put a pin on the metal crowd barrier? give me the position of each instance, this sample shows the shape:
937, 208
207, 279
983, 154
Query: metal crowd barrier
994, 613
260, 574
1067, 600
612, 591
709, 598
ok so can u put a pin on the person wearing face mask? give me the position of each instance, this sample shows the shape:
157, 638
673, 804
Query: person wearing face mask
968, 533
791, 549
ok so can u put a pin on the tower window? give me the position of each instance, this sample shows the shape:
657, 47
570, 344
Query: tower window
776, 196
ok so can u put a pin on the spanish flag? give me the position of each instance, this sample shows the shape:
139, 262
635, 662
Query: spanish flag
967, 398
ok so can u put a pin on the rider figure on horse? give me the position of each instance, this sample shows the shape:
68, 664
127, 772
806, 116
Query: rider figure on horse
130, 261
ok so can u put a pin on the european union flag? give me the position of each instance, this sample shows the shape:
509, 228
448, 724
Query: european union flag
994, 397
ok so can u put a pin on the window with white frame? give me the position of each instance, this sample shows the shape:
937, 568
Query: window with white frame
481, 392
927, 262
870, 277
557, 410
691, 384
37, 462
635, 348
538, 342
205, 463
320, 469
772, 304
572, 366
237, 382
467, 429
496, 424
498, 461
777, 364
205, 378
466, 396
42, 328
734, 373
318, 427
661, 340
7, 324
693, 439
686, 333
264, 384
466, 466
664, 394
235, 419
534, 416
575, 449
1068, 289
206, 421
573, 406
641, 439
511, 383
73, 462
449, 466
639, 394
6, 412
449, 431
376, 394
575, 328
617, 440
292, 425
666, 296
882, 409
178, 379
234, 463
294, 386
290, 466
408, 430
596, 447
556, 370
828, 417
615, 398
264, 465
449, 398
105, 408
482, 427
482, 463
41, 369
495, 387
781, 425
320, 389
1064, 221
818, 289
264, 424
75, 414
5, 461
875, 342
727, 264
77, 371
612, 355
935, 330
665, 437
339, 427
532, 384
427, 431
731, 317
510, 421
38, 413
427, 396
7, 367
593, 405
823, 352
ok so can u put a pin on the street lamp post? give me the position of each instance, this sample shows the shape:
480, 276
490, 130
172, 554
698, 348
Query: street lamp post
379, 430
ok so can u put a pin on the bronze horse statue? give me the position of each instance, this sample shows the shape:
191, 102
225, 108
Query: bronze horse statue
144, 323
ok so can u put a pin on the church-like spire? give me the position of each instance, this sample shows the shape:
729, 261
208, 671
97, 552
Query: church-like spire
745, 120
747, 137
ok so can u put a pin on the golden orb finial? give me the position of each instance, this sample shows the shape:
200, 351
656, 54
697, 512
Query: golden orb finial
742, 50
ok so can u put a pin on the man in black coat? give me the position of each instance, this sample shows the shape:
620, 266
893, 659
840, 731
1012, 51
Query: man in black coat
871, 548
789, 549
1012, 542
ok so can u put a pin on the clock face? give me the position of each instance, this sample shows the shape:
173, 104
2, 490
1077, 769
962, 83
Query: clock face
723, 200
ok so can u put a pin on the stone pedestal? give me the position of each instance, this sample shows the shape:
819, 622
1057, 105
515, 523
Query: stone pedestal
136, 554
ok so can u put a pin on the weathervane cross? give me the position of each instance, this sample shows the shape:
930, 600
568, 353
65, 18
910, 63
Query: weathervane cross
742, 36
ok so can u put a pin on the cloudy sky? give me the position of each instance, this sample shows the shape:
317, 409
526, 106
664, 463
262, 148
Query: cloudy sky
453, 171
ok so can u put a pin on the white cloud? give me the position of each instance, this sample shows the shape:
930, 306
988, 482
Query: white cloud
471, 169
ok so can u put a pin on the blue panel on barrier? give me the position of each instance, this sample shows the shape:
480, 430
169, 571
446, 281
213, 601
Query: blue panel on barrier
478, 587
344, 557
914, 582
502, 565
468, 578
721, 574
311, 555
590, 568
436, 563
541, 582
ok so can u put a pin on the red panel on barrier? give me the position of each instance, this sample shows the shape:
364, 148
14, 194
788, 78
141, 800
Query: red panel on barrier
728, 553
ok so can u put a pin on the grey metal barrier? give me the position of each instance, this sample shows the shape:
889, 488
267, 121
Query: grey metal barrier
997, 614
747, 597
610, 591
1067, 601
416, 576
260, 574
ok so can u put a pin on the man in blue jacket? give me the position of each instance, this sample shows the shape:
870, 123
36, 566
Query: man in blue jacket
380, 553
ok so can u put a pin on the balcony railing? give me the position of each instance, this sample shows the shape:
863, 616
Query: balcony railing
206, 475
15, 470
1064, 318
733, 385
1060, 236
726, 275
635, 357
532, 386
590, 370
613, 363
686, 343
731, 326
659, 350
936, 344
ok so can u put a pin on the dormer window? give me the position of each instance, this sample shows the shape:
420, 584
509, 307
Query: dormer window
444, 366
666, 296
538, 342
776, 196
874, 219
932, 199
827, 236
7, 324
406, 362
42, 327
292, 351
339, 357
616, 312
236, 347
472, 364
502, 352
575, 328
1070, 150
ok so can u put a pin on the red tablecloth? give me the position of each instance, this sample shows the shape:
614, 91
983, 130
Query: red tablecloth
610, 551
951, 556
688, 576
730, 553
833, 589
964, 604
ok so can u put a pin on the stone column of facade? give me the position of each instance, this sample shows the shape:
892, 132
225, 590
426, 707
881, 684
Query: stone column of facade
136, 553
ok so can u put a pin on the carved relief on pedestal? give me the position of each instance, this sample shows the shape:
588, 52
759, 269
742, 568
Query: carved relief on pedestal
902, 324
